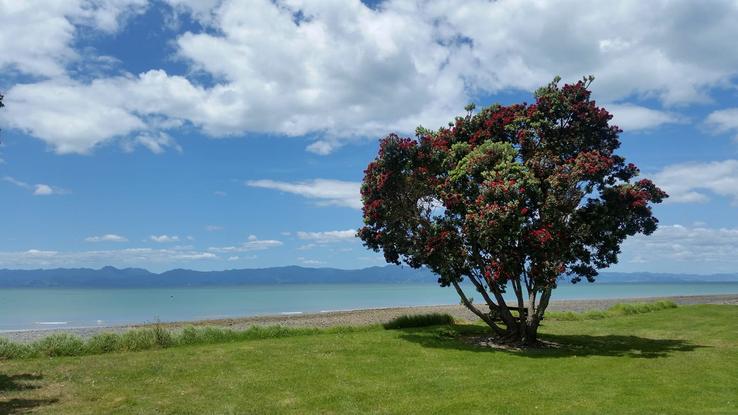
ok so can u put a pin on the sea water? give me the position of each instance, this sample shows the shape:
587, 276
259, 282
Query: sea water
22, 309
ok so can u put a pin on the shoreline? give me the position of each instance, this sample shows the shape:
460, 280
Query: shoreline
352, 317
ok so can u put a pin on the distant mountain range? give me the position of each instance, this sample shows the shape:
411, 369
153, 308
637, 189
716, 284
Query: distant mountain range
111, 277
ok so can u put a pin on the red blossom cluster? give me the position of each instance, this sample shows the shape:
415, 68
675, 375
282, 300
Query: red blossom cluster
641, 193
395, 140
435, 242
592, 163
541, 235
372, 208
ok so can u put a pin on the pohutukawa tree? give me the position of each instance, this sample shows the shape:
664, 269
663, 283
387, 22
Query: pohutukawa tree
511, 198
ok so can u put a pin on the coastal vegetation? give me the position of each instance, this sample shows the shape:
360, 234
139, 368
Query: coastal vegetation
157, 336
512, 199
627, 363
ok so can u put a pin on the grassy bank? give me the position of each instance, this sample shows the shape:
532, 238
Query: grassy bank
157, 337
675, 360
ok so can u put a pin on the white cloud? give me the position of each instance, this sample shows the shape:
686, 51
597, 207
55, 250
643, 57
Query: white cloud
323, 147
35, 258
252, 244
633, 47
724, 121
213, 228
343, 70
42, 190
310, 262
38, 189
164, 238
110, 237
156, 142
328, 236
686, 244
631, 117
324, 191
76, 117
37, 35
693, 182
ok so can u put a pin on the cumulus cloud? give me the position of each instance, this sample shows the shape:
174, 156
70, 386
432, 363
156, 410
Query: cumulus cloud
724, 121
344, 71
164, 238
38, 189
685, 244
252, 244
76, 117
38, 35
324, 191
695, 182
328, 236
110, 237
631, 117
310, 262
34, 258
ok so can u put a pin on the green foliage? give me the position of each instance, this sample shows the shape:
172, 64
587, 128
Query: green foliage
512, 197
623, 309
12, 350
156, 337
639, 308
418, 320
104, 343
59, 344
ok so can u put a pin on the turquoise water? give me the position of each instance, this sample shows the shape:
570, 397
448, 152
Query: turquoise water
47, 308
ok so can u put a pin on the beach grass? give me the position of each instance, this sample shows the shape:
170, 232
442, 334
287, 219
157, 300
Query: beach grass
158, 337
669, 361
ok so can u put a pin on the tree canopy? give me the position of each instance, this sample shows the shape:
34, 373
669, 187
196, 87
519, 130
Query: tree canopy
510, 198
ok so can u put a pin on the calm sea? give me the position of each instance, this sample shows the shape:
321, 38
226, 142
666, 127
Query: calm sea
48, 308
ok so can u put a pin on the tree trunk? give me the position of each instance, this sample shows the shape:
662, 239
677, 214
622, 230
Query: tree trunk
520, 330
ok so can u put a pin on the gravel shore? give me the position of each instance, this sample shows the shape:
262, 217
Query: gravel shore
362, 317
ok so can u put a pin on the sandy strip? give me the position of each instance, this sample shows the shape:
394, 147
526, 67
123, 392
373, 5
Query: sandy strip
362, 317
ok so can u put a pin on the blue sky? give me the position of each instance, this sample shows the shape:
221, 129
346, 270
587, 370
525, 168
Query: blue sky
227, 134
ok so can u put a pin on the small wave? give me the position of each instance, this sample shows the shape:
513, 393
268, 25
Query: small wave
52, 323
290, 313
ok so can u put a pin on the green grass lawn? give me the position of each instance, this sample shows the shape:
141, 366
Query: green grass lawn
674, 361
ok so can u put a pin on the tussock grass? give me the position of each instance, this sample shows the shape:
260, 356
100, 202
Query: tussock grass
623, 309
158, 337
418, 320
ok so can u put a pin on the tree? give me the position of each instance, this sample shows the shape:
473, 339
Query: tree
512, 198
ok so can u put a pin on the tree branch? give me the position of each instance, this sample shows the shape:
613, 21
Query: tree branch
480, 288
545, 296
485, 317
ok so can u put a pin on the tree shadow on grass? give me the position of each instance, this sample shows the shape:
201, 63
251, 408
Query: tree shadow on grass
19, 383
461, 337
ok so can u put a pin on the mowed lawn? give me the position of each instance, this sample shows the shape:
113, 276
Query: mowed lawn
675, 361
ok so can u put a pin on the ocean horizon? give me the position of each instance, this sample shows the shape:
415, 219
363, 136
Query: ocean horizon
46, 308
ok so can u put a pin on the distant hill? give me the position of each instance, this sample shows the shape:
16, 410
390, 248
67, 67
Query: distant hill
111, 277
